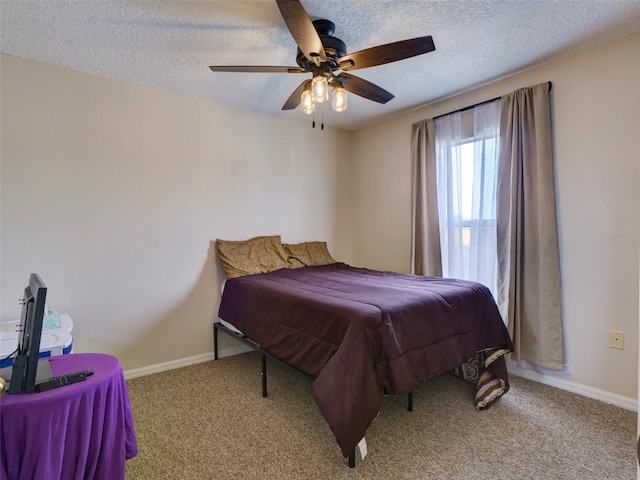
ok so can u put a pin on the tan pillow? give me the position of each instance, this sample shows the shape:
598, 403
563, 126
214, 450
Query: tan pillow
307, 254
256, 255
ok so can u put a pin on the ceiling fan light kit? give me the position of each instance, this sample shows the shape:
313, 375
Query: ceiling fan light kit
307, 104
319, 89
322, 54
339, 99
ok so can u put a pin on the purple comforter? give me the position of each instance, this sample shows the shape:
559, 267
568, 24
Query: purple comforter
363, 333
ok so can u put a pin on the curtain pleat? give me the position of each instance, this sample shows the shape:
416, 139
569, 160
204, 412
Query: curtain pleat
425, 237
529, 286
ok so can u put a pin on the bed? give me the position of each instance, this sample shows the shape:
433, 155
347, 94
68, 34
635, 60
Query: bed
361, 333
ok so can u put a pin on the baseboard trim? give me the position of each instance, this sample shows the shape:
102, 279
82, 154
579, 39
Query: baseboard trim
584, 390
590, 392
183, 362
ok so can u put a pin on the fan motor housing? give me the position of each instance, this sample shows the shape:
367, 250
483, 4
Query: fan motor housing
334, 48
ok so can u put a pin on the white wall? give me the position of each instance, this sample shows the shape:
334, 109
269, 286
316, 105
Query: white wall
596, 115
113, 192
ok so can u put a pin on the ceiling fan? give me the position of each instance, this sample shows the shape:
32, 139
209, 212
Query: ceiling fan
322, 55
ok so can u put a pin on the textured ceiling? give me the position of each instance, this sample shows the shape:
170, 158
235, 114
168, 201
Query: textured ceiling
170, 44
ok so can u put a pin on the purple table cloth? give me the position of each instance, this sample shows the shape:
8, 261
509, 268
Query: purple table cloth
82, 431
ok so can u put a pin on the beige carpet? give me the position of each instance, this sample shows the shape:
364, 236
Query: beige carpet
209, 421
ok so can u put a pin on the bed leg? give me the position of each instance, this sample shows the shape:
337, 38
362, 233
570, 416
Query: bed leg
215, 342
264, 375
410, 401
352, 459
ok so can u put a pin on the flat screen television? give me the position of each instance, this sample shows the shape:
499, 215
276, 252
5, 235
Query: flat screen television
25, 365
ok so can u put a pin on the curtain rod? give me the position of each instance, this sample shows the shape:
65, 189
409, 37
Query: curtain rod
478, 104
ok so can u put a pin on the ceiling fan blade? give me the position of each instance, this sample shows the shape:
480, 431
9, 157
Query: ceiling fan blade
294, 100
246, 68
302, 30
365, 89
390, 52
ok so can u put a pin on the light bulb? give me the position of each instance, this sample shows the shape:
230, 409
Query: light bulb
307, 104
339, 99
320, 89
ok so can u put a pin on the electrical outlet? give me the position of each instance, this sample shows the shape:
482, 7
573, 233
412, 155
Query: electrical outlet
616, 339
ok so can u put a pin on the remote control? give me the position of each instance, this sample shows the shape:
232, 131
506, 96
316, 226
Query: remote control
62, 380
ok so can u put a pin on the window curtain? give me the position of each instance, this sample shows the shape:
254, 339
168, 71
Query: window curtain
466, 187
527, 239
425, 237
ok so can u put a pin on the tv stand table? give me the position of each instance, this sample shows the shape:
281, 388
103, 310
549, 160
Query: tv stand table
82, 431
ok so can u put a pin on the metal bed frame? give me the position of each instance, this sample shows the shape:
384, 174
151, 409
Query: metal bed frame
351, 459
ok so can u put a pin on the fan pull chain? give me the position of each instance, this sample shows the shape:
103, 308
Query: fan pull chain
313, 121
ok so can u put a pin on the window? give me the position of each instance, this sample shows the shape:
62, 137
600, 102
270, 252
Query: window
467, 168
